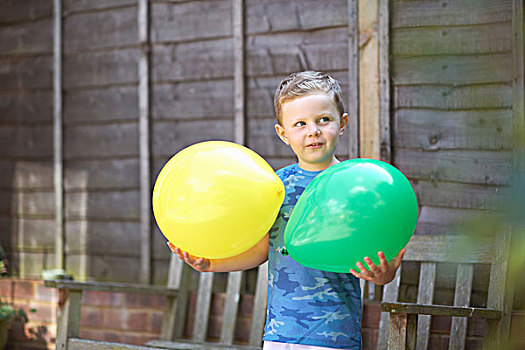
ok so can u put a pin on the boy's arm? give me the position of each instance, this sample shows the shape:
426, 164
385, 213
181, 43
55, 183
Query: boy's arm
253, 257
382, 274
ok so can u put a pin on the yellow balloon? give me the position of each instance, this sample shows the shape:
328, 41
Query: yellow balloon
216, 199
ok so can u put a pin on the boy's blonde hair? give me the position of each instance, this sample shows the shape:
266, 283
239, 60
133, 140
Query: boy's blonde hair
303, 83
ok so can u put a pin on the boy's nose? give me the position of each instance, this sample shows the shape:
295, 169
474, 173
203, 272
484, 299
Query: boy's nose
313, 130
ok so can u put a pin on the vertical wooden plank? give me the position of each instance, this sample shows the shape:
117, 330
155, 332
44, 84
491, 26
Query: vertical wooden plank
68, 322
458, 330
411, 334
353, 78
176, 309
518, 85
259, 308
239, 68
203, 307
368, 78
425, 295
397, 332
498, 330
390, 293
384, 81
231, 305
144, 143
58, 162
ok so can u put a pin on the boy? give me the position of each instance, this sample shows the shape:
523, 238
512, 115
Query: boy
307, 308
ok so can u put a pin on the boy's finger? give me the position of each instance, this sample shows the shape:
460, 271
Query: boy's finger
399, 257
361, 268
371, 264
355, 273
382, 259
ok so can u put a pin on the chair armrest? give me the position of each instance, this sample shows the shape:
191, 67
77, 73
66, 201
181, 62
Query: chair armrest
128, 288
423, 309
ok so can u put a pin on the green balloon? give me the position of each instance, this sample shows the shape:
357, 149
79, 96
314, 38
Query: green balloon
353, 209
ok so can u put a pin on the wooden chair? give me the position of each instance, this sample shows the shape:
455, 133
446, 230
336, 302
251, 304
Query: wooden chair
407, 325
177, 292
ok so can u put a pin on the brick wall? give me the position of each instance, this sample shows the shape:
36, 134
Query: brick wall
40, 304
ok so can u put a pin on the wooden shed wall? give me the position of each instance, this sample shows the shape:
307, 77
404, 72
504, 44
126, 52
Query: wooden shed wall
192, 99
452, 71
451, 84
26, 134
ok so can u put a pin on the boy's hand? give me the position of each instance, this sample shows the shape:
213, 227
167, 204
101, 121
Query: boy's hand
199, 264
382, 274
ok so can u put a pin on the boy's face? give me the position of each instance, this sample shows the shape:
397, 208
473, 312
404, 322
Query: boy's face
311, 125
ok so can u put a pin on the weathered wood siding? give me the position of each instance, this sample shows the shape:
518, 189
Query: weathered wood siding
192, 100
451, 74
26, 135
101, 166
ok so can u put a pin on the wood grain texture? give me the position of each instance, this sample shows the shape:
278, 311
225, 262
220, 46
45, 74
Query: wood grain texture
26, 73
105, 141
435, 130
464, 40
101, 29
431, 13
453, 97
31, 38
206, 60
75, 286
199, 99
458, 329
283, 15
425, 295
454, 70
101, 68
404, 308
190, 21
481, 167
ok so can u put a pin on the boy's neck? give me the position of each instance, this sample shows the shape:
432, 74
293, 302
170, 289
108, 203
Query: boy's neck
314, 167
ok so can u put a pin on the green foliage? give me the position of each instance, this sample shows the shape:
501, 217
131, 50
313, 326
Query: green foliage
8, 313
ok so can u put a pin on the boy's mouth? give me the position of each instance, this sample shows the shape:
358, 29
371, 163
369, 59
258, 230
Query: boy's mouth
314, 145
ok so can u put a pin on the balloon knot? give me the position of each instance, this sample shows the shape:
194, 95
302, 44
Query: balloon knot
284, 251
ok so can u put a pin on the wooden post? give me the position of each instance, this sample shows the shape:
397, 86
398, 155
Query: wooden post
144, 143
374, 79
68, 319
385, 152
58, 162
368, 79
353, 78
239, 68
518, 87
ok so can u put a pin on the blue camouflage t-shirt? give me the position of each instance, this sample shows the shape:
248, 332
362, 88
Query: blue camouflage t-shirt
307, 306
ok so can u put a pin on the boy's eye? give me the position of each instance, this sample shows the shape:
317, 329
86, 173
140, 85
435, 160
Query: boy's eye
300, 124
324, 120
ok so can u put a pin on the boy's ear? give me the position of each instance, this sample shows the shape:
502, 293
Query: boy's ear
343, 123
281, 133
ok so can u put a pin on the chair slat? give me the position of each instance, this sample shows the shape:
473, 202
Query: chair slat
390, 293
425, 295
203, 306
175, 315
499, 292
231, 306
69, 319
458, 330
448, 249
259, 308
